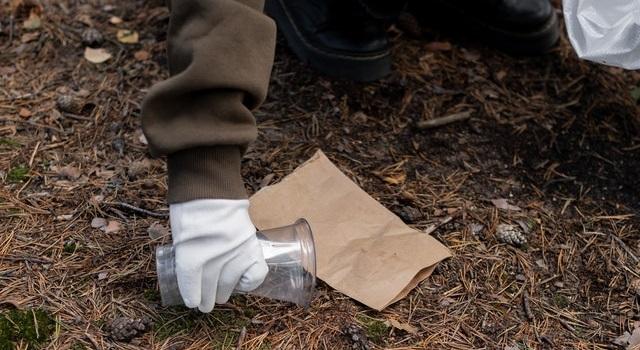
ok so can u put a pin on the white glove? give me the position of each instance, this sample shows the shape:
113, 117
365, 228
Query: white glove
605, 31
216, 251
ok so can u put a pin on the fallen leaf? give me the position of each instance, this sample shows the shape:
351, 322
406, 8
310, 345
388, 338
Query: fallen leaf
115, 20
623, 340
438, 46
33, 22
69, 172
395, 179
157, 230
402, 326
634, 340
126, 36
85, 19
98, 222
24, 113
141, 55
29, 37
96, 55
541, 264
502, 203
112, 227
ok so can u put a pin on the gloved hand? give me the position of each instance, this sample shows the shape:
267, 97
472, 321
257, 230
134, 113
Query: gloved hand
216, 251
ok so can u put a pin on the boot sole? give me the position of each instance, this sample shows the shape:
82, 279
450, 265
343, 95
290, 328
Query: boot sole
363, 68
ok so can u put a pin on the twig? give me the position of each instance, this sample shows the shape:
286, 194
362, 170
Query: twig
567, 325
140, 210
436, 122
241, 337
526, 305
429, 230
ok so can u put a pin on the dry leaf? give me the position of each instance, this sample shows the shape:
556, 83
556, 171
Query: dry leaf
96, 55
24, 113
502, 203
115, 20
112, 227
126, 36
395, 179
85, 19
141, 55
143, 139
634, 340
29, 37
622, 340
33, 22
402, 326
98, 222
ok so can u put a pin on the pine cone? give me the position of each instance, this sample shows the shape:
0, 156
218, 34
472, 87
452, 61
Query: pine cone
126, 328
92, 37
69, 104
357, 338
511, 235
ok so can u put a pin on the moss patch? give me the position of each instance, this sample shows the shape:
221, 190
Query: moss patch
375, 329
32, 327
17, 174
7, 143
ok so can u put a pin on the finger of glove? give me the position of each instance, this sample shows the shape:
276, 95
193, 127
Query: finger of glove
230, 276
210, 279
253, 276
189, 283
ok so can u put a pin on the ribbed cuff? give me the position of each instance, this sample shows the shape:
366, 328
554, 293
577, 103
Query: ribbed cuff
205, 172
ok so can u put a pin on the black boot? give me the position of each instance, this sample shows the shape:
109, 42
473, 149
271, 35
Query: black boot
517, 26
341, 38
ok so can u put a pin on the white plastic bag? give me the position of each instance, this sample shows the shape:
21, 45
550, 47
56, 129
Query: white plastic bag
605, 31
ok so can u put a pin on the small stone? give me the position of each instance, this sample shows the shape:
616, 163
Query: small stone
476, 228
92, 37
520, 277
138, 167
98, 222
118, 145
558, 284
410, 214
157, 230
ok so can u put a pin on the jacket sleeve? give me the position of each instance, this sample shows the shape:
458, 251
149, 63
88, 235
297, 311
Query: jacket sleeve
220, 58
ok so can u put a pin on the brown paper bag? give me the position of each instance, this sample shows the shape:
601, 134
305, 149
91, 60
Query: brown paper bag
363, 250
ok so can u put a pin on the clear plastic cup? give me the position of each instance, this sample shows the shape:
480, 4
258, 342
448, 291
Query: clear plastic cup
290, 253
